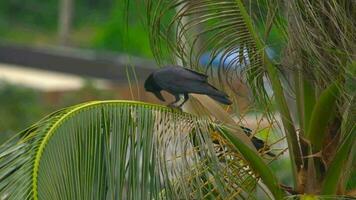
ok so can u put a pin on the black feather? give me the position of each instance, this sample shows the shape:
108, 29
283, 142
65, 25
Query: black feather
258, 143
180, 81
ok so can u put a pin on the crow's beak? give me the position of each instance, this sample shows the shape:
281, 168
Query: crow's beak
159, 95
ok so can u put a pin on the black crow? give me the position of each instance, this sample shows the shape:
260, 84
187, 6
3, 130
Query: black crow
179, 82
258, 143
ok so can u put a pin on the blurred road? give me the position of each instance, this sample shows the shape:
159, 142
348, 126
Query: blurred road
44, 80
82, 62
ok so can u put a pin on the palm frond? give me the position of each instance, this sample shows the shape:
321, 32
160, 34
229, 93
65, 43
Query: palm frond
189, 29
192, 30
269, 17
322, 39
122, 150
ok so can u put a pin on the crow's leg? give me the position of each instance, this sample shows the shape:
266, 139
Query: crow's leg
185, 97
173, 104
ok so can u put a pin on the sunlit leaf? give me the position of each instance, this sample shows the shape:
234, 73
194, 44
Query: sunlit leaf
122, 150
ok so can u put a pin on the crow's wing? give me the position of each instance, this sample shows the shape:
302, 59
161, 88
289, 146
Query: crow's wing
180, 81
203, 76
177, 80
178, 73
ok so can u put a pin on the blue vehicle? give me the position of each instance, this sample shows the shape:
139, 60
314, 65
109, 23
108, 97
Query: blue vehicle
229, 59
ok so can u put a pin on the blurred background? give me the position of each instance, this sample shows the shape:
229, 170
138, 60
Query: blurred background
57, 53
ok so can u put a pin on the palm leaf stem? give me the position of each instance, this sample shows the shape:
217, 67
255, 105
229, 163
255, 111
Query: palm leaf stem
272, 72
256, 163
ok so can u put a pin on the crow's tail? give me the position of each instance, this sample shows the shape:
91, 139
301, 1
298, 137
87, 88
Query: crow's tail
271, 154
222, 99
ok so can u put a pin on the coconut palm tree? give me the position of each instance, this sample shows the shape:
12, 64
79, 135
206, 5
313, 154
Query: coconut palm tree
315, 65
135, 150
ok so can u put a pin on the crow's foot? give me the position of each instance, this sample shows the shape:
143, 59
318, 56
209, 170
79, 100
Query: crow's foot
173, 106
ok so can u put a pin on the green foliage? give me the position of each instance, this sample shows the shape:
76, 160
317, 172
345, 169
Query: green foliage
120, 150
314, 47
98, 24
116, 36
319, 47
226, 28
256, 162
44, 14
19, 107
32, 12
346, 148
322, 113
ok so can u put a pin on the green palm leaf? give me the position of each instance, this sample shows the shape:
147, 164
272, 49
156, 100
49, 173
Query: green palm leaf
188, 29
121, 150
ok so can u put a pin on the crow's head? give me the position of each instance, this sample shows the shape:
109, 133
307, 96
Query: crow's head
152, 86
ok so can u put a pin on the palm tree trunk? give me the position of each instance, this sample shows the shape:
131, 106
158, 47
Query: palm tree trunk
65, 21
